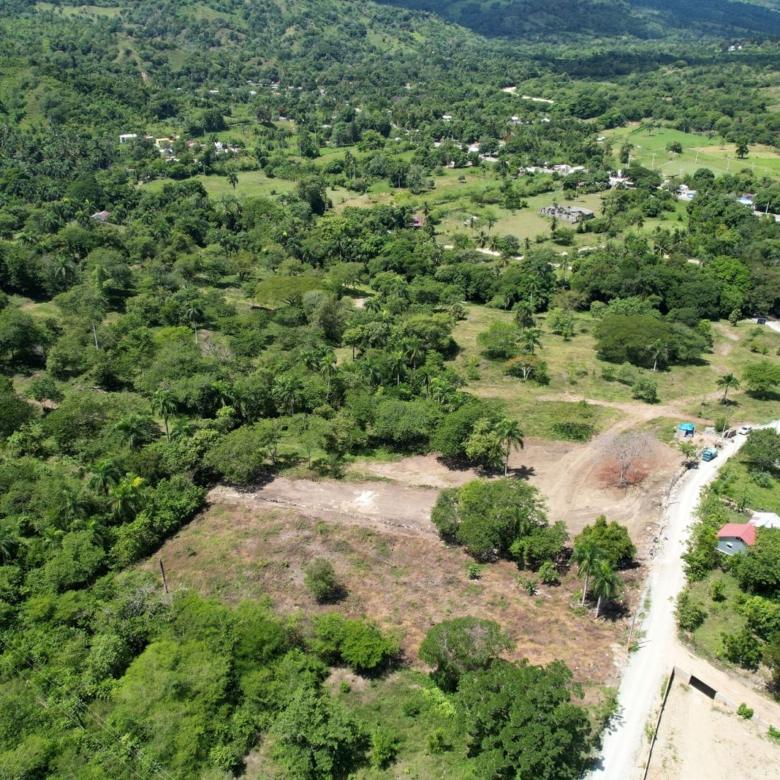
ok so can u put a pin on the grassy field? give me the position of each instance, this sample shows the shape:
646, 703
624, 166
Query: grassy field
736, 482
699, 151
251, 184
722, 616
577, 373
74, 10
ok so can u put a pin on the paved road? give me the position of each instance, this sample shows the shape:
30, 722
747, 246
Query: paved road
640, 686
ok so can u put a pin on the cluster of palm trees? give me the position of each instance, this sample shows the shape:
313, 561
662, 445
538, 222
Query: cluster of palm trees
601, 580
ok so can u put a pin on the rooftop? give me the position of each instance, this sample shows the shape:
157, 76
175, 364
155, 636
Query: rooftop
743, 531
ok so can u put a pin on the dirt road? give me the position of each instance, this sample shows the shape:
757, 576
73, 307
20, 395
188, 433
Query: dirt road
659, 649
402, 509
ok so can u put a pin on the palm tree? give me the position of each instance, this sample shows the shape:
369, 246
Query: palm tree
286, 392
512, 437
606, 583
728, 382
232, 179
531, 338
137, 429
105, 474
9, 541
125, 496
164, 403
194, 315
586, 555
658, 351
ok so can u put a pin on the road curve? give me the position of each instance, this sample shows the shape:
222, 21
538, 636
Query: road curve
640, 687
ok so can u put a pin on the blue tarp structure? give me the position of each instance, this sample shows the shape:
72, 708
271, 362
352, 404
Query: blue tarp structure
687, 428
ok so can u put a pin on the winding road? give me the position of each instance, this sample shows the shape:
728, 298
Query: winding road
640, 688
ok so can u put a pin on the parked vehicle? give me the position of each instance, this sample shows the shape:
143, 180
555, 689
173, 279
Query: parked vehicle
745, 430
710, 453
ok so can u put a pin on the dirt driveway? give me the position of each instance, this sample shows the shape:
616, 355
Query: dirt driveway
381, 505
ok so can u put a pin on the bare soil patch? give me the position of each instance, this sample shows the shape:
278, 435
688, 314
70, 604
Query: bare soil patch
405, 581
699, 738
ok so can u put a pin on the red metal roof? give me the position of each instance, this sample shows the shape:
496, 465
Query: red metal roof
745, 532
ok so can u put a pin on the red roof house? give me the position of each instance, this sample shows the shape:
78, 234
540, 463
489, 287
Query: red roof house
736, 537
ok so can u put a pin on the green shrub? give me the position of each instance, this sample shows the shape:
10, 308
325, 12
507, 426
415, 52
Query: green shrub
356, 643
438, 742
457, 646
689, 614
573, 431
384, 748
320, 579
742, 648
718, 590
744, 711
548, 574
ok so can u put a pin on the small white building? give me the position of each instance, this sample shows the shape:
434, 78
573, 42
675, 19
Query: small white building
126, 138
765, 520
685, 193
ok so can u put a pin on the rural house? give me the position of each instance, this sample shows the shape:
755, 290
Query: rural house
572, 214
735, 538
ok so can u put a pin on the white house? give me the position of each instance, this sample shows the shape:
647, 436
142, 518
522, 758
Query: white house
125, 138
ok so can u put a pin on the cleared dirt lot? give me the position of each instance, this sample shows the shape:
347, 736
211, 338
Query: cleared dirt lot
572, 477
405, 581
700, 738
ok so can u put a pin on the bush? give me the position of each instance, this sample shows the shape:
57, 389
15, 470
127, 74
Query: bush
357, 643
320, 579
487, 517
457, 646
689, 614
718, 590
384, 748
243, 455
612, 540
645, 389
499, 341
438, 742
548, 574
742, 648
744, 711
573, 431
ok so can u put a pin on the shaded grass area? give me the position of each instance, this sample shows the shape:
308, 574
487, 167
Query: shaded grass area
741, 486
722, 616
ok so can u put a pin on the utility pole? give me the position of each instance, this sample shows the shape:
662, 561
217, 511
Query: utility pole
164, 578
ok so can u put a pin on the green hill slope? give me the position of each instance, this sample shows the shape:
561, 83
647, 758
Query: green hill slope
640, 18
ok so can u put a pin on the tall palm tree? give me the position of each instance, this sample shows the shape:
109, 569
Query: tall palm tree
232, 178
659, 351
164, 403
586, 555
728, 382
511, 436
531, 338
606, 583
137, 429
9, 541
105, 474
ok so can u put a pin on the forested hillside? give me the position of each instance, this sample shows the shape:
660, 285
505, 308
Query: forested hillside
639, 18
240, 240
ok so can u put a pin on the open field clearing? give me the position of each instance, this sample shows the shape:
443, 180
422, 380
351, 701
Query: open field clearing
700, 738
576, 373
244, 548
699, 151
251, 184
